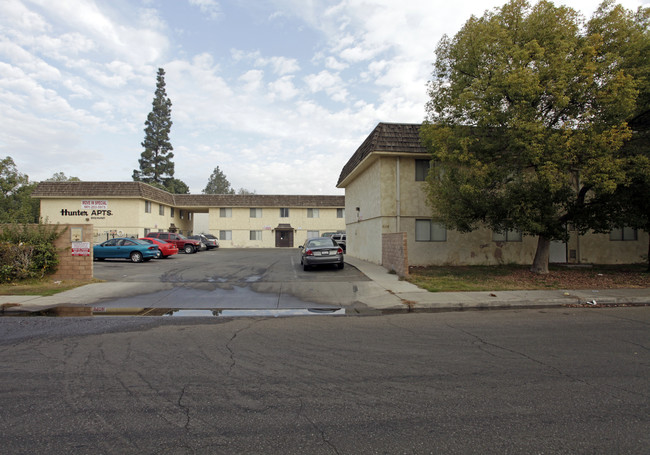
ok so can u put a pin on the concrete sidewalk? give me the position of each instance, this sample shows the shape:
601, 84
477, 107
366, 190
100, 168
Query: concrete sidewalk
385, 292
403, 296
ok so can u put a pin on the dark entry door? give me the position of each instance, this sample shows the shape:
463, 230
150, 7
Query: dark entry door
284, 239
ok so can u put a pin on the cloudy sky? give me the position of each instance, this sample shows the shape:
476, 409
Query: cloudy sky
277, 93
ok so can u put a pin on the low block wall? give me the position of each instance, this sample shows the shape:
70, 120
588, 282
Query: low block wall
74, 267
394, 253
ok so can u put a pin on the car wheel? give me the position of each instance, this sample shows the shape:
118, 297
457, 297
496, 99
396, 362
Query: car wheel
305, 267
189, 249
136, 256
341, 265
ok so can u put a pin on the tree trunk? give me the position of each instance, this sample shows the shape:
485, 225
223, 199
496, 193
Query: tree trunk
540, 263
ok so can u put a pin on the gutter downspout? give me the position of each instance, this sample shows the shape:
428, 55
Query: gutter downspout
398, 203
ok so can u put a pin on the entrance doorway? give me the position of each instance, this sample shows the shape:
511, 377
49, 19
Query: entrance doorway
284, 238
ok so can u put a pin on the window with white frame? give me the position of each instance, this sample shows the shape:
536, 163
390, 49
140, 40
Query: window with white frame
225, 235
161, 209
513, 235
624, 234
256, 213
422, 170
225, 212
428, 231
312, 234
284, 213
340, 213
147, 206
256, 235
313, 213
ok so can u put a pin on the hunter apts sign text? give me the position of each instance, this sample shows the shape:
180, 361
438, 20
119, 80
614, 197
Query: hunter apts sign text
91, 208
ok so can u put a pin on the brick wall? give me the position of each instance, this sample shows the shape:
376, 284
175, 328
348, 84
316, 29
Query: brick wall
74, 267
394, 253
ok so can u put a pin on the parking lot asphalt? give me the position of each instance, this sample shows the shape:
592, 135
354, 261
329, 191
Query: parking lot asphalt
372, 289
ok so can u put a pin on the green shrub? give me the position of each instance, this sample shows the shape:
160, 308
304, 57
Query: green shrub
28, 251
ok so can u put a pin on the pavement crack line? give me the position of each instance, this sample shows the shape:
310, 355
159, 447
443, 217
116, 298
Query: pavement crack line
302, 414
185, 409
233, 362
545, 365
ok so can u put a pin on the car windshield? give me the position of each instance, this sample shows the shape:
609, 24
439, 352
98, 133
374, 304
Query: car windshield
320, 243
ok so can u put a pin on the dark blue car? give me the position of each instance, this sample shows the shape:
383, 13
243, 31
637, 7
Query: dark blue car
124, 248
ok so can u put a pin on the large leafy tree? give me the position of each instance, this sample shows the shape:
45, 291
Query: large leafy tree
16, 203
61, 177
156, 165
526, 119
218, 183
626, 43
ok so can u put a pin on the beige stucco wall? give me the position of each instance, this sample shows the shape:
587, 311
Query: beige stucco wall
125, 216
241, 223
599, 249
374, 190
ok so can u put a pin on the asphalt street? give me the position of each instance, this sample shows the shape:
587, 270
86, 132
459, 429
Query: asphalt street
563, 380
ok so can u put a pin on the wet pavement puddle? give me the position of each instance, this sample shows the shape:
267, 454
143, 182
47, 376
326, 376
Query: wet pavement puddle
87, 311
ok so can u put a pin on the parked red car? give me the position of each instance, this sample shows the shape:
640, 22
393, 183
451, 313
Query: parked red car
165, 248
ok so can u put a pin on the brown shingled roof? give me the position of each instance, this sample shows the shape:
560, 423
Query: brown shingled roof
102, 189
144, 191
257, 200
386, 137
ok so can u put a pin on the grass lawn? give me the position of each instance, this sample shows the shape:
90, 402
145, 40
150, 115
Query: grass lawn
515, 277
43, 287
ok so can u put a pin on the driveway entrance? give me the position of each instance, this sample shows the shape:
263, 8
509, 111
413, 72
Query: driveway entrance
230, 279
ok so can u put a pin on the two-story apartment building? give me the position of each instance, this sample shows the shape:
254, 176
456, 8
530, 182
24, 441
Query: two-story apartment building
134, 209
384, 183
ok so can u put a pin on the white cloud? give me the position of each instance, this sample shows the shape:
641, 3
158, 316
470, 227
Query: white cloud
208, 7
283, 89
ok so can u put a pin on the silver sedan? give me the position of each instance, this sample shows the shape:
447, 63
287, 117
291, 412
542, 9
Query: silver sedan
321, 251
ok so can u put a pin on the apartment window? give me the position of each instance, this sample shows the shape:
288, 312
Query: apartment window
161, 209
146, 231
171, 212
513, 235
256, 235
340, 213
422, 170
312, 234
313, 213
428, 231
225, 235
284, 213
624, 234
225, 212
147, 206
181, 214
256, 213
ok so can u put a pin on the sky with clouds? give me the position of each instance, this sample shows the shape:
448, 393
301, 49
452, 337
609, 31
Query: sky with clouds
277, 93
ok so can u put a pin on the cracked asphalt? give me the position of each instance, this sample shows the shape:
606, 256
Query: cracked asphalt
517, 381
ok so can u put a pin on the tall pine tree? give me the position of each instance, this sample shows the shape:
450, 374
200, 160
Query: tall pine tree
156, 166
